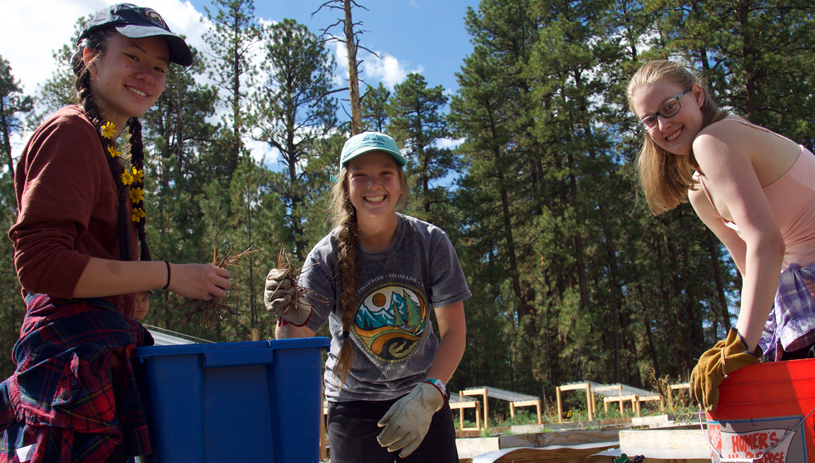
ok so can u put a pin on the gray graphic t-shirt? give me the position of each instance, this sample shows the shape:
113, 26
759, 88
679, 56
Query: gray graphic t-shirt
392, 334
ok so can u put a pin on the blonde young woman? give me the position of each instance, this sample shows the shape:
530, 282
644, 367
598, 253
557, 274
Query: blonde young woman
81, 255
755, 189
375, 279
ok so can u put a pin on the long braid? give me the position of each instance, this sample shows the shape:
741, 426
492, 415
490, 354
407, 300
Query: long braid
348, 274
137, 188
346, 218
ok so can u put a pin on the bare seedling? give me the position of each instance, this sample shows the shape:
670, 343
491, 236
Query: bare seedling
284, 262
213, 311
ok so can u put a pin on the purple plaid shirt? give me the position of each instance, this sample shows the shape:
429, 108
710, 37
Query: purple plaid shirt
791, 325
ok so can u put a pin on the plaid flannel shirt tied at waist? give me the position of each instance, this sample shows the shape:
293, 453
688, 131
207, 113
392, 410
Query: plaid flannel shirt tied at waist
791, 325
64, 381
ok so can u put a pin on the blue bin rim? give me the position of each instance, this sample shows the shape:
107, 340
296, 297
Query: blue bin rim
188, 349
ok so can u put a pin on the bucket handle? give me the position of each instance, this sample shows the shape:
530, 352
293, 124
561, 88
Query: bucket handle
229, 358
722, 459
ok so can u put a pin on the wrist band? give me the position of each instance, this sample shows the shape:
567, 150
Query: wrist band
438, 384
168, 275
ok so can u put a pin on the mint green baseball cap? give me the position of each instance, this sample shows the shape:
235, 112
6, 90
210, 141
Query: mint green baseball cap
370, 141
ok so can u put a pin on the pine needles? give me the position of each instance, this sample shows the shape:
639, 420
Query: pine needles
214, 310
293, 274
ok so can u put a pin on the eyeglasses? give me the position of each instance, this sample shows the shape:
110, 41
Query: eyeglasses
668, 109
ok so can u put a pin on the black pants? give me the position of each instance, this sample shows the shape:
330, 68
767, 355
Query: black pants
352, 431
800, 354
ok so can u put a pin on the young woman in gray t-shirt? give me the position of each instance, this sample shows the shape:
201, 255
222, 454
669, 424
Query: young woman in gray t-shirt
375, 278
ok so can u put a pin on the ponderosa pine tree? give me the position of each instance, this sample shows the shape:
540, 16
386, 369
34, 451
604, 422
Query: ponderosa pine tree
493, 194
12, 103
232, 41
294, 110
12, 308
419, 125
374, 108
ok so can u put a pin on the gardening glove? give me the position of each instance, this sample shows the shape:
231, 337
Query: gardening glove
408, 420
724, 358
278, 294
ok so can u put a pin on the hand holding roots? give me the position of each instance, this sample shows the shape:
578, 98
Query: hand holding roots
214, 309
279, 290
283, 296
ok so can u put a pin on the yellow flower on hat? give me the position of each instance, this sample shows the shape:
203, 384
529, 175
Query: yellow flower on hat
138, 213
108, 130
138, 175
127, 179
113, 152
136, 195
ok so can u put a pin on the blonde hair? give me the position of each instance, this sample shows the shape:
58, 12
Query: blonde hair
345, 218
667, 177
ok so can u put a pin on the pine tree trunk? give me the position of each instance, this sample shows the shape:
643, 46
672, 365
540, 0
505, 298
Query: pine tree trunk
513, 259
747, 56
353, 73
717, 275
671, 322
578, 245
6, 137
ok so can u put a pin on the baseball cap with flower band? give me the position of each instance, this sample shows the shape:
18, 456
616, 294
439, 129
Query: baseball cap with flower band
137, 23
370, 141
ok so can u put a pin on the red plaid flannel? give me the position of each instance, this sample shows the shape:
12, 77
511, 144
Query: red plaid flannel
61, 396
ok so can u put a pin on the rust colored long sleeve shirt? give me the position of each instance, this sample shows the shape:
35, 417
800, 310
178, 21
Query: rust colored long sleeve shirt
67, 208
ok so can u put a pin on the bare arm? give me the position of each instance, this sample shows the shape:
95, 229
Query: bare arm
731, 240
103, 277
289, 331
726, 160
453, 334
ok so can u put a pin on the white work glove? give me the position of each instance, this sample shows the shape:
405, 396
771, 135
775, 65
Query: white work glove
278, 296
408, 420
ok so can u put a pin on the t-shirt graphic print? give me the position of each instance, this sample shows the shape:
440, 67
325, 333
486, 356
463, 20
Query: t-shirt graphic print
390, 321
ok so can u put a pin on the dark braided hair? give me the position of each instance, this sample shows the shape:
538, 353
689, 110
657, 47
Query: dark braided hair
130, 182
137, 187
345, 218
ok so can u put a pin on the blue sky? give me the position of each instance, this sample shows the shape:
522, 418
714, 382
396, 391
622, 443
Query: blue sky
424, 36
408, 35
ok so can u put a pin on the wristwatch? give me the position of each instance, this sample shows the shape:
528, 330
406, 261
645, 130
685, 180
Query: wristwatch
440, 386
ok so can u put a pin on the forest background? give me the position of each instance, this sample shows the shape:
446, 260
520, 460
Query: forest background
572, 277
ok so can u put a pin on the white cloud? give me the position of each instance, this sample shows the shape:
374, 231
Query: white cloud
31, 32
386, 69
185, 20
449, 143
263, 153
34, 29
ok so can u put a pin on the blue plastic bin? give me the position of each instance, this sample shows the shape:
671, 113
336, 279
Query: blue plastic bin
240, 401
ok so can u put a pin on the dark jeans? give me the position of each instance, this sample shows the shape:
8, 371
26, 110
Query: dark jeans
352, 431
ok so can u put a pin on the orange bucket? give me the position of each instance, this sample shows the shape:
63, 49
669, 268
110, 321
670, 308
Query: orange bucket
765, 414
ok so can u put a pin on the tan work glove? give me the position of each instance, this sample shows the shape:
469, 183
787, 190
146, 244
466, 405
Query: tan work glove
408, 420
278, 296
724, 358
